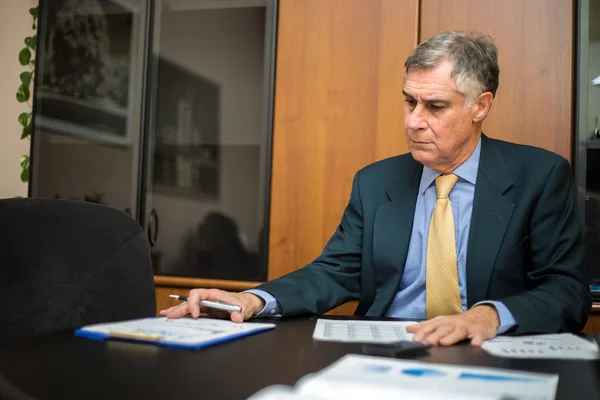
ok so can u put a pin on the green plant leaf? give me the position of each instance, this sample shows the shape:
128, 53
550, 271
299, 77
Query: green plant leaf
24, 56
34, 12
24, 119
25, 78
25, 168
26, 132
30, 42
23, 94
33, 26
25, 175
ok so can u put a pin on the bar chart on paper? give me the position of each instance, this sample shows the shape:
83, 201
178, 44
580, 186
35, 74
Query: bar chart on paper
362, 331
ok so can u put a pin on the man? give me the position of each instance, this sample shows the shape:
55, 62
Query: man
477, 235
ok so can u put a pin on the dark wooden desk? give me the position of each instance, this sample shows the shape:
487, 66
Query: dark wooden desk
61, 366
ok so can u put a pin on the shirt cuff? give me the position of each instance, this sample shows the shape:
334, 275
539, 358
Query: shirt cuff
271, 308
507, 320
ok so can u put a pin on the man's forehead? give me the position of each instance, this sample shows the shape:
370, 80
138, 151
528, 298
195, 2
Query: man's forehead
425, 93
430, 80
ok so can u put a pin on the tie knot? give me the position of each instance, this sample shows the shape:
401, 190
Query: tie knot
444, 184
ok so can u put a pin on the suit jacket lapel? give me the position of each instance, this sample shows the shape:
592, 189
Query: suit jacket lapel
489, 219
391, 234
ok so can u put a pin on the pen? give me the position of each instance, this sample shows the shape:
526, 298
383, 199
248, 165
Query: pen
218, 305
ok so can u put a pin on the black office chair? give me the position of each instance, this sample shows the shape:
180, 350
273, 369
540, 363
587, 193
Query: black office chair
65, 264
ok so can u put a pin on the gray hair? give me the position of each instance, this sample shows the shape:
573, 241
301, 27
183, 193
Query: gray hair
475, 59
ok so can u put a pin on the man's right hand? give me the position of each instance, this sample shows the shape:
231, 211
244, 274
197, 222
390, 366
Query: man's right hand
250, 303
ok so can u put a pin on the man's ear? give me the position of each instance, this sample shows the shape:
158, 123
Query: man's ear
481, 106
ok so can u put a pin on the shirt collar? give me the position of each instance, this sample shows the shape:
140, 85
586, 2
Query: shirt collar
466, 171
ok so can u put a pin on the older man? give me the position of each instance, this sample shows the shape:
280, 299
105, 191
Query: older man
476, 235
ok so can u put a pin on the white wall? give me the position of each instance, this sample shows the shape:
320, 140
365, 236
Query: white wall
15, 25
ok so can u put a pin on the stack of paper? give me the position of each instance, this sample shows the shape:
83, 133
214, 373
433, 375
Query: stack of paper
560, 345
366, 377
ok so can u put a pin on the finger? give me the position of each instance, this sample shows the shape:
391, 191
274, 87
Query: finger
178, 311
166, 310
197, 295
194, 301
458, 334
425, 328
237, 316
442, 331
414, 327
478, 339
217, 313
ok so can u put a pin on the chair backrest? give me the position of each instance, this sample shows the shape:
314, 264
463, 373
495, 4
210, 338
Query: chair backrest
65, 264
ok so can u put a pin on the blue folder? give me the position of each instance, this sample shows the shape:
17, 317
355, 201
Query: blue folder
187, 333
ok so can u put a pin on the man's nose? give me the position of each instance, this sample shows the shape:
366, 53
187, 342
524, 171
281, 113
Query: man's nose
415, 119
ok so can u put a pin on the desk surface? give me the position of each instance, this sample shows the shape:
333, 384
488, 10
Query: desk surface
62, 366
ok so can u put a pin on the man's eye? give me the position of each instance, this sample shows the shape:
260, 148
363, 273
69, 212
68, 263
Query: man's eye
410, 102
435, 107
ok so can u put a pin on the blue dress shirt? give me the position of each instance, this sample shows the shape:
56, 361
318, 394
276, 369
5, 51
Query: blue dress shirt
409, 302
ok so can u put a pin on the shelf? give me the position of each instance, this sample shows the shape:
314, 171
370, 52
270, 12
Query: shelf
593, 144
180, 281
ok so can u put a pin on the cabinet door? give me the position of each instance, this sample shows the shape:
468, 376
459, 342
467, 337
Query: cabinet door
339, 107
588, 136
87, 101
535, 41
208, 153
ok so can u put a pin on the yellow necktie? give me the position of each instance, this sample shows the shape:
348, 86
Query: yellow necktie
441, 292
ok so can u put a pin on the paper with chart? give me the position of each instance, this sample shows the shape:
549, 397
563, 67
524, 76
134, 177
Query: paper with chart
183, 331
334, 330
368, 377
560, 345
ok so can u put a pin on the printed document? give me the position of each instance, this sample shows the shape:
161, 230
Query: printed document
367, 377
560, 345
182, 332
335, 330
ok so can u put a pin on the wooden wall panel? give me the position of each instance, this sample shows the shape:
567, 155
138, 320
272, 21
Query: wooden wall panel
535, 42
338, 107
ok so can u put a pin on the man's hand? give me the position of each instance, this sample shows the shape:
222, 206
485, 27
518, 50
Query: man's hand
250, 303
478, 324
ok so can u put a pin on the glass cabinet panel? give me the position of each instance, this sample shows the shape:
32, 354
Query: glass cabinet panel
87, 101
210, 86
587, 162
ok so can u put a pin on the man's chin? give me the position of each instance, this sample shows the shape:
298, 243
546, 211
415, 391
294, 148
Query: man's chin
423, 157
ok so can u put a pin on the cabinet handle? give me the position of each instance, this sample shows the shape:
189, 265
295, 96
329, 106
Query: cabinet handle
153, 227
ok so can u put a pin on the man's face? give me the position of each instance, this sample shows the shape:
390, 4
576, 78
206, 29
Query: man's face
440, 132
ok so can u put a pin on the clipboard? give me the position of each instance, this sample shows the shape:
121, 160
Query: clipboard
186, 333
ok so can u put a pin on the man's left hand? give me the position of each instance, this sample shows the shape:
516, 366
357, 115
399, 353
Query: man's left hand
478, 324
